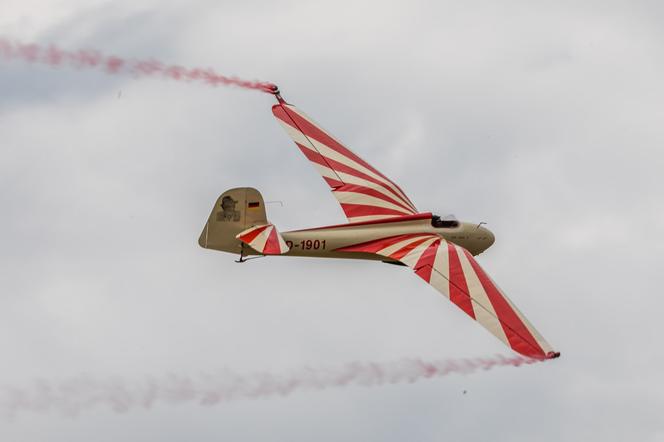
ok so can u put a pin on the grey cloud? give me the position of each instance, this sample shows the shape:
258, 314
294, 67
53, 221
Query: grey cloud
543, 121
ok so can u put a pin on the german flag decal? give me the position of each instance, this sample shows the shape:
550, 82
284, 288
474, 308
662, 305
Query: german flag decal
254, 205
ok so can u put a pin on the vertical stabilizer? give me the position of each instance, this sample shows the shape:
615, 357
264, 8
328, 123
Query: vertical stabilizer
236, 210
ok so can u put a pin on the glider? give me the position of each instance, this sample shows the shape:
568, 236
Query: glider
383, 224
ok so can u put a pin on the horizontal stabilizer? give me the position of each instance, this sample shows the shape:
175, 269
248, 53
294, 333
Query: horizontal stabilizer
264, 239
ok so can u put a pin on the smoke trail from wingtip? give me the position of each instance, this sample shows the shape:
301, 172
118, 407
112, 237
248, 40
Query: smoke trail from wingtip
73, 396
92, 59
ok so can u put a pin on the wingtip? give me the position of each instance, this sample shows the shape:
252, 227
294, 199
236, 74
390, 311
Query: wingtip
553, 355
273, 89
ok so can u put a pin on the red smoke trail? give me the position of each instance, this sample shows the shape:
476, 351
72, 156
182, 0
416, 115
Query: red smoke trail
92, 59
70, 397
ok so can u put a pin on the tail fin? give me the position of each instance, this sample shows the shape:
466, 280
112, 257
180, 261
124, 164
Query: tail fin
235, 211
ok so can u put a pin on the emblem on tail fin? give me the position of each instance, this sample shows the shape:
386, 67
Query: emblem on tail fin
228, 210
234, 211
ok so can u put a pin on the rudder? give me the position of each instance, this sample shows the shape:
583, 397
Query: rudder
236, 210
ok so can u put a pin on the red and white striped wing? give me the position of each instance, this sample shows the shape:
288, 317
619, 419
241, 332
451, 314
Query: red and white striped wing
453, 271
364, 193
264, 239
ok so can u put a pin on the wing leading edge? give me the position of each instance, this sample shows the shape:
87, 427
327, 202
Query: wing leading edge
364, 193
453, 271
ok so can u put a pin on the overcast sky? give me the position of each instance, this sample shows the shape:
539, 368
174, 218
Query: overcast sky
545, 121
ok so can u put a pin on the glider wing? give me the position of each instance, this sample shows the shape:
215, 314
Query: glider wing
453, 271
364, 193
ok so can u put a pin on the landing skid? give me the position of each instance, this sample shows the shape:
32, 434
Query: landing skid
243, 257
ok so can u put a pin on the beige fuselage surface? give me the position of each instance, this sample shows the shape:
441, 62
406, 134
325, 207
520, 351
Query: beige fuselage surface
323, 241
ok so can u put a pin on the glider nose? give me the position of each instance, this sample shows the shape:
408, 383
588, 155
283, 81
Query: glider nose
482, 239
490, 238
487, 237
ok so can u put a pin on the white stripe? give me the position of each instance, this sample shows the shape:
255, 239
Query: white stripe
283, 247
326, 172
367, 200
440, 283
442, 261
484, 312
258, 243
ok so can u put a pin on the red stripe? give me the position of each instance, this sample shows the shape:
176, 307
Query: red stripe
459, 293
272, 244
336, 166
334, 184
408, 248
517, 333
371, 192
377, 244
400, 219
250, 236
426, 262
355, 210
313, 155
424, 272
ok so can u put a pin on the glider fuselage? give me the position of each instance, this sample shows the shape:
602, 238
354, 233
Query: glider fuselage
323, 242
239, 210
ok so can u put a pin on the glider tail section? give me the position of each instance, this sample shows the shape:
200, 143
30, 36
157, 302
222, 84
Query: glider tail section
235, 211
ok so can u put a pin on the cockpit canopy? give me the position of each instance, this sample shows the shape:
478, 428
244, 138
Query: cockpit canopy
448, 221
